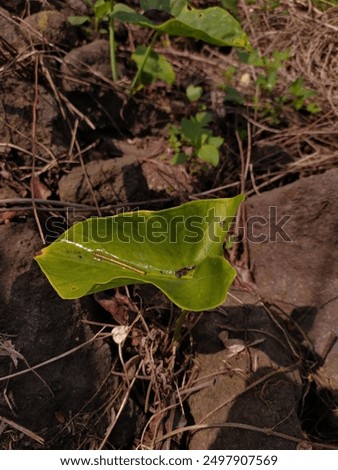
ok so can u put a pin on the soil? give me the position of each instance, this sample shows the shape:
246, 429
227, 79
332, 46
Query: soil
260, 371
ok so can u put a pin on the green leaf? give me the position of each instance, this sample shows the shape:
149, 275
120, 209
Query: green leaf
298, 103
169, 6
179, 250
209, 154
298, 89
176, 6
271, 80
78, 20
162, 5
179, 158
215, 141
194, 92
205, 136
203, 118
251, 58
191, 131
231, 6
129, 15
102, 8
233, 96
229, 73
212, 25
155, 68
313, 108
280, 56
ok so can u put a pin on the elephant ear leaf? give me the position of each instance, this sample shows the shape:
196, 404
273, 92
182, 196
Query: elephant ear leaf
213, 25
179, 250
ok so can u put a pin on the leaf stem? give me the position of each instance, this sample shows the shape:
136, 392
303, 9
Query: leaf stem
112, 48
179, 325
146, 55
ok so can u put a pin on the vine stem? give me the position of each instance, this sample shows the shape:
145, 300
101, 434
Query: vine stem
146, 55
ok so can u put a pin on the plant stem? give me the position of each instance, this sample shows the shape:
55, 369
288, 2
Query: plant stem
179, 325
112, 48
146, 55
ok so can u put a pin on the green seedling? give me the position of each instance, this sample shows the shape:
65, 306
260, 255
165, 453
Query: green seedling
93, 24
101, 13
179, 250
268, 79
301, 96
195, 133
268, 72
194, 93
194, 138
270, 66
212, 25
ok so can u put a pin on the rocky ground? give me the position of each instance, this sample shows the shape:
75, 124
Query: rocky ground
260, 371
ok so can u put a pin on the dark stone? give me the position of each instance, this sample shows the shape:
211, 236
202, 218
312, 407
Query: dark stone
114, 180
304, 270
293, 235
42, 326
53, 26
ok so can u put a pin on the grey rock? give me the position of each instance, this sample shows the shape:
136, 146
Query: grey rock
20, 6
302, 272
53, 26
293, 234
78, 7
83, 64
11, 33
85, 71
224, 401
77, 388
114, 180
43, 326
14, 6
16, 118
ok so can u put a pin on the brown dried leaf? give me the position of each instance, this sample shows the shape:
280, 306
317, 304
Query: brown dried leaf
5, 217
111, 305
40, 190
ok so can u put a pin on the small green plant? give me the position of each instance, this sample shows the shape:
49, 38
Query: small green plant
268, 73
194, 93
91, 23
194, 138
102, 13
179, 250
212, 25
270, 66
195, 134
301, 94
